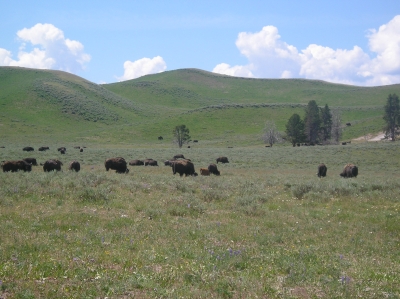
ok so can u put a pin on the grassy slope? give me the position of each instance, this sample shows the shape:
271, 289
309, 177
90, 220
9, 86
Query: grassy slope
43, 105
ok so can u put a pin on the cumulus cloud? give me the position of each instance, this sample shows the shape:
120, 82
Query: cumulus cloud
51, 50
143, 67
270, 57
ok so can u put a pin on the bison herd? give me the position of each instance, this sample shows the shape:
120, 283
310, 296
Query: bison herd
178, 163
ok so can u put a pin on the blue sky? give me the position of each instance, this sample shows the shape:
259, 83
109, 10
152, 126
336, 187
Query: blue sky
352, 42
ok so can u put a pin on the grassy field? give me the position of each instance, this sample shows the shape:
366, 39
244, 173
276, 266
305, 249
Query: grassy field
221, 110
266, 228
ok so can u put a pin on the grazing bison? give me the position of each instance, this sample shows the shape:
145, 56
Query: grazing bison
150, 162
160, 138
31, 161
349, 171
43, 148
74, 165
28, 149
348, 124
81, 150
77, 147
222, 160
204, 171
183, 167
178, 156
136, 162
62, 152
322, 170
14, 166
118, 164
51, 165
195, 141
62, 149
212, 168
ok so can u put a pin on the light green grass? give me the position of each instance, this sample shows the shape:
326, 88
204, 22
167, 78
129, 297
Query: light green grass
220, 110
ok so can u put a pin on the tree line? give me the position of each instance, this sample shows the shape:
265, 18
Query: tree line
323, 125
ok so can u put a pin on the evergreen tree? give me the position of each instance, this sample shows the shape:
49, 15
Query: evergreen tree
295, 129
392, 116
312, 122
181, 135
326, 123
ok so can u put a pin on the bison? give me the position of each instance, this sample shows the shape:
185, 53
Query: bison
222, 160
31, 161
150, 162
28, 149
62, 149
74, 165
183, 167
349, 171
136, 162
118, 164
322, 170
43, 148
53, 164
160, 138
14, 166
212, 168
81, 150
168, 162
204, 171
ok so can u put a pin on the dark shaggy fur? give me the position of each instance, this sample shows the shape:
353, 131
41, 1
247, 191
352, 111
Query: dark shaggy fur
349, 171
51, 165
322, 170
118, 164
74, 165
14, 166
222, 160
213, 169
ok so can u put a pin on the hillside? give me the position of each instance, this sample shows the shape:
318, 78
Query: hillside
42, 105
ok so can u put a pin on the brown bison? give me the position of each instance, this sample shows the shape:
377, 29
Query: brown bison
349, 171
322, 170
28, 149
43, 148
136, 162
62, 149
150, 162
118, 164
183, 167
222, 160
212, 168
74, 165
53, 164
81, 150
31, 161
204, 171
14, 166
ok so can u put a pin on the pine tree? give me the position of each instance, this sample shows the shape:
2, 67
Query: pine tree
392, 116
295, 129
312, 122
326, 123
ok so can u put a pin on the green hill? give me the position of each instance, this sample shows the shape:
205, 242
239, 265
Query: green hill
47, 106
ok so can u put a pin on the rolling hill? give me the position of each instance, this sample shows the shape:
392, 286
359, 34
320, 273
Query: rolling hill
43, 105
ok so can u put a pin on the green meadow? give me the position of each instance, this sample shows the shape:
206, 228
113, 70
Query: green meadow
267, 227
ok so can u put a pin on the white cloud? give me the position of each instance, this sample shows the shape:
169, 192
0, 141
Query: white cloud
143, 67
51, 50
270, 57
237, 70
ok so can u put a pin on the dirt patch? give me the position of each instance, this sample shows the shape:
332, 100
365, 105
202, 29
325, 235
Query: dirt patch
371, 137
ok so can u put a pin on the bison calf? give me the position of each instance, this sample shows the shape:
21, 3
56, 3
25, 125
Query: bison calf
204, 171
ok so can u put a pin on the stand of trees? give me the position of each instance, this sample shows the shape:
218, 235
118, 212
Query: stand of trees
319, 125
